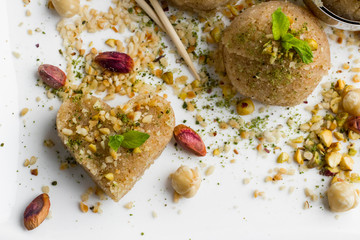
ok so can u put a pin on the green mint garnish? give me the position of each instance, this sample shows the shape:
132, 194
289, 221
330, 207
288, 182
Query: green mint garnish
115, 141
131, 139
280, 24
134, 139
280, 28
301, 47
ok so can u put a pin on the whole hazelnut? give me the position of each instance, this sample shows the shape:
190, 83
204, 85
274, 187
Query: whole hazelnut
186, 181
342, 197
351, 102
66, 8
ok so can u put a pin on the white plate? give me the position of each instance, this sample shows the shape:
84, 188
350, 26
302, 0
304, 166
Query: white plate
224, 207
9, 127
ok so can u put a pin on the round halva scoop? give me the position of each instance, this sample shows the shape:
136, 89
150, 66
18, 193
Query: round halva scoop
285, 82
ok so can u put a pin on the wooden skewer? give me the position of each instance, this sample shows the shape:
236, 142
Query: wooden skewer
174, 37
151, 13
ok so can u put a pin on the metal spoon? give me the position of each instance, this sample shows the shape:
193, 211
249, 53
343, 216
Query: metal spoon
331, 18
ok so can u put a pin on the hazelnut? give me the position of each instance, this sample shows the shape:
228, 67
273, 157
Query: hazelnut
66, 8
245, 107
186, 181
351, 102
342, 197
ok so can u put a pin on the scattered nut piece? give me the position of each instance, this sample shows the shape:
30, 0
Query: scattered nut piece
326, 137
310, 193
210, 170
339, 85
306, 205
246, 181
67, 132
298, 140
283, 157
24, 111
356, 78
333, 159
168, 78
298, 157
33, 160
83, 207
49, 143
110, 42
109, 176
26, 162
216, 34
216, 152
346, 163
257, 193
353, 135
16, 54
339, 136
34, 172
96, 208
335, 104
335, 147
129, 205
45, 189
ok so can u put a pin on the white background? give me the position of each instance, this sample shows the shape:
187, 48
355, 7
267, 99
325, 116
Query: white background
224, 207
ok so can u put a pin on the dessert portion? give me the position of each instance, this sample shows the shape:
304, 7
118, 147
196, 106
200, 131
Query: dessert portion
115, 145
199, 5
349, 9
275, 52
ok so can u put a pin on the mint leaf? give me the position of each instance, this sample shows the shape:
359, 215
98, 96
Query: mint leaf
134, 139
280, 24
115, 141
300, 46
280, 28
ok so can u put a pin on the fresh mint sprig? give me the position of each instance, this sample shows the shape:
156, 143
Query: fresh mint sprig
280, 28
115, 141
131, 139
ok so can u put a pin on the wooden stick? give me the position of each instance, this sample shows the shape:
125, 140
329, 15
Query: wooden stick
174, 37
150, 12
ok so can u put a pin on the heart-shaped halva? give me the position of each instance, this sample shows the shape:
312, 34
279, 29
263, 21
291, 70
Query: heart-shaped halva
86, 123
